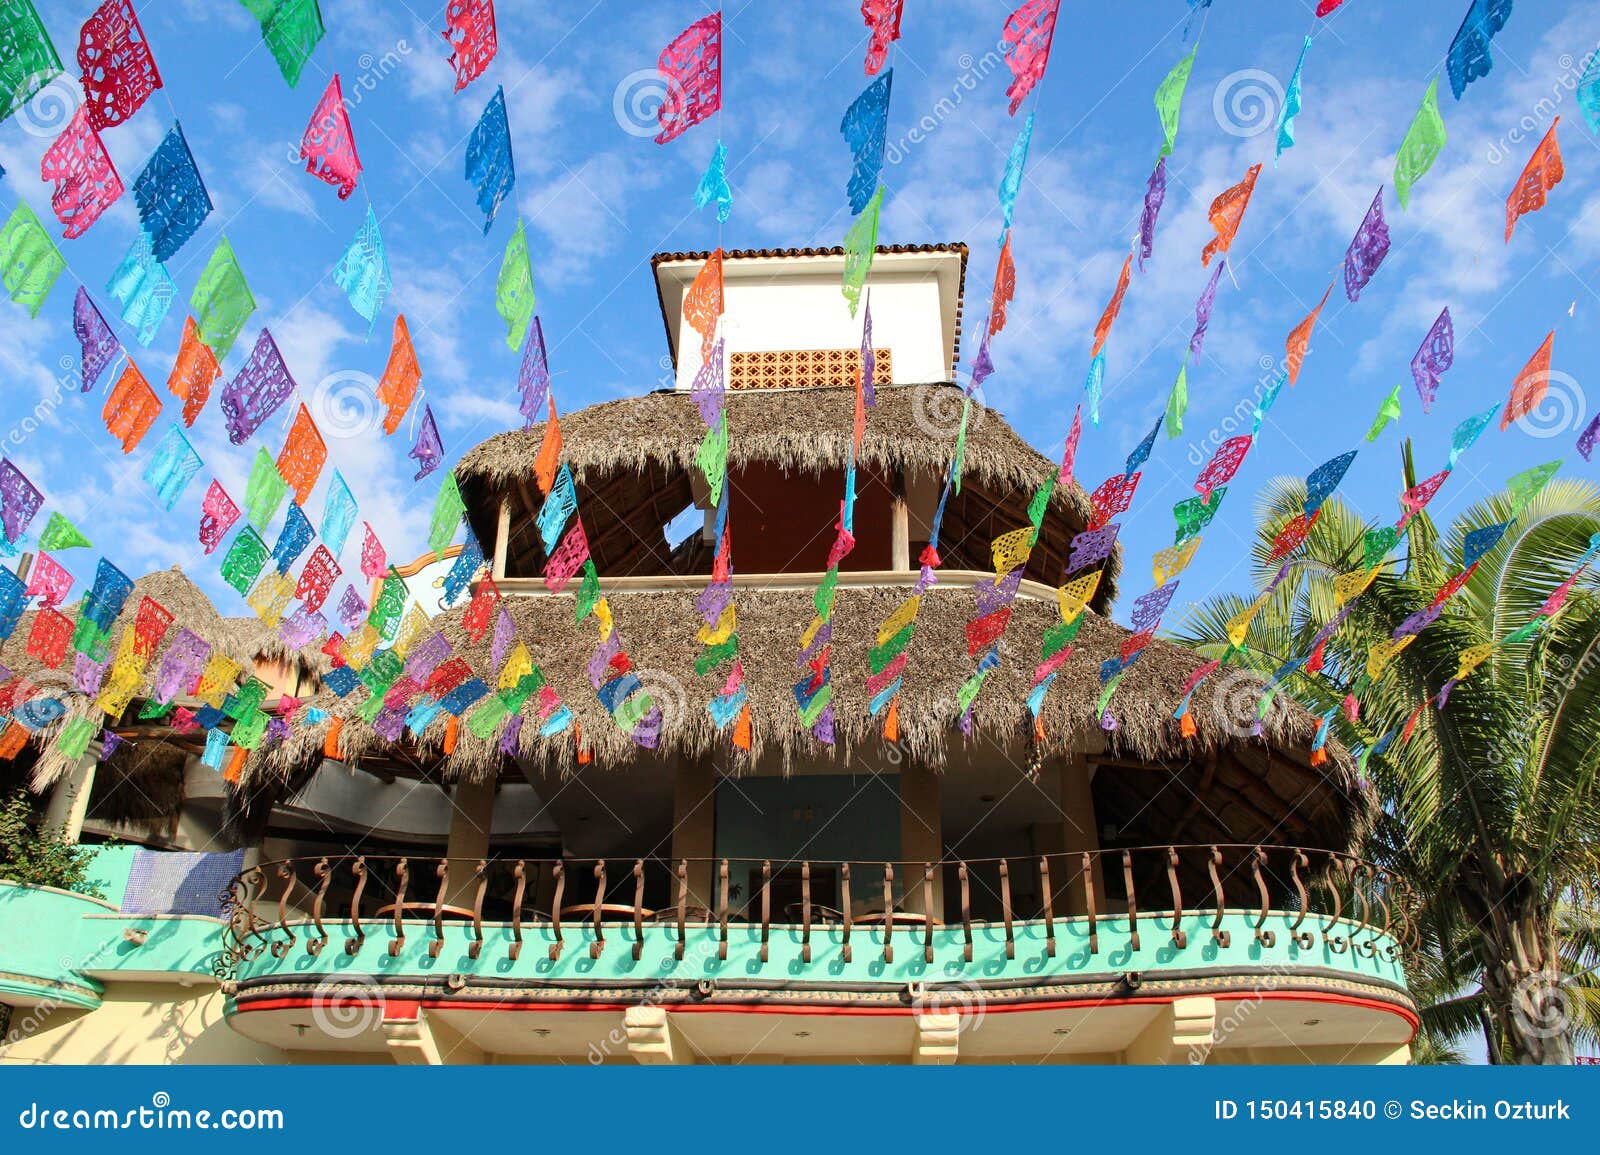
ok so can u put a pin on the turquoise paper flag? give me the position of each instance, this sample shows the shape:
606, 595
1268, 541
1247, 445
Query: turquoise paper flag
1092, 386
713, 185
363, 271
173, 467
144, 289
338, 514
1011, 182
1291, 105
1469, 431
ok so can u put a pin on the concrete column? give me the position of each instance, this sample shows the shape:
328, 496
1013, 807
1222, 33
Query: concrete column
1184, 1031
899, 527
69, 800
694, 828
471, 815
1079, 833
921, 837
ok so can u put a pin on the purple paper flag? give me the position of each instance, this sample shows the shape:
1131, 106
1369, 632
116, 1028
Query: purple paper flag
1202, 312
428, 452
869, 356
257, 390
1149, 607
1587, 438
1438, 353
533, 378
982, 366
1092, 546
108, 744
505, 633
997, 592
19, 501
1367, 249
509, 736
99, 343
352, 609
708, 389
1155, 194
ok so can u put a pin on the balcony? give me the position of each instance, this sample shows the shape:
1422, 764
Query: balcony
702, 959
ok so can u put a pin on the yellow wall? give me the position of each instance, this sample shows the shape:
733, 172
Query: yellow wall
139, 1023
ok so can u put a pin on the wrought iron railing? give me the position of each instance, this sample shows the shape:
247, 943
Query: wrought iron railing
1312, 896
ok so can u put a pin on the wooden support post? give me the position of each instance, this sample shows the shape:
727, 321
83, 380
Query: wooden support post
502, 538
899, 526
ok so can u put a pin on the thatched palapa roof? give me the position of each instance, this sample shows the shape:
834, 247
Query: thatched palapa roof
642, 449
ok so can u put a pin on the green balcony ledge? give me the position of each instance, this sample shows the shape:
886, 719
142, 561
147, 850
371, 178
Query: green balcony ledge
61, 947
1374, 962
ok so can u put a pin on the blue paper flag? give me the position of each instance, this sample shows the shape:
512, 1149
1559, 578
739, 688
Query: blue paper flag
293, 538
1291, 105
713, 185
1141, 452
1481, 541
338, 515
216, 749
1468, 432
173, 467
13, 601
866, 130
489, 164
1264, 406
363, 271
107, 596
1325, 479
1469, 57
468, 562
1589, 92
143, 288
172, 198
1011, 182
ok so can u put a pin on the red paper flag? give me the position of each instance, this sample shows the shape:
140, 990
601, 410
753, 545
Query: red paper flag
883, 22
328, 147
119, 74
469, 27
1542, 173
47, 640
1531, 384
86, 182
317, 578
1113, 307
1226, 213
692, 65
480, 612
149, 627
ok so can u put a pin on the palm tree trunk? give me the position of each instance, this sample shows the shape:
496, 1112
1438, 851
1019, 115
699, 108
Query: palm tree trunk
1527, 1000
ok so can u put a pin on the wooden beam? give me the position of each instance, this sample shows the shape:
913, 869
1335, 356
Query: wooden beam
502, 537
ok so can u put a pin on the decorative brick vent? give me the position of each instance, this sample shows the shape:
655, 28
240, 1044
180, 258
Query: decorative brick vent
804, 368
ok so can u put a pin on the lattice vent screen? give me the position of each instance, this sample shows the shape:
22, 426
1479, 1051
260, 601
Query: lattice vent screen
804, 368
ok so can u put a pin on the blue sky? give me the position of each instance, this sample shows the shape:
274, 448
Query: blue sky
600, 199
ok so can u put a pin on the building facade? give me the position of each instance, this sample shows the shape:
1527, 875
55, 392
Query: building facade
490, 891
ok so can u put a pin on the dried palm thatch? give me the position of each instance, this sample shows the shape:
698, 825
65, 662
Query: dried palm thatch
240, 639
911, 430
659, 629
142, 782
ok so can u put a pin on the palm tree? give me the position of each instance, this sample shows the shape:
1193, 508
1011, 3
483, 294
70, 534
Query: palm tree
1492, 805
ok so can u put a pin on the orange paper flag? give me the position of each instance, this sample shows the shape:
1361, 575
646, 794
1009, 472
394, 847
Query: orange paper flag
1543, 172
1113, 307
549, 459
702, 304
741, 729
1226, 213
891, 721
1531, 384
1300, 339
12, 740
131, 408
452, 731
304, 452
1005, 287
400, 376
330, 739
193, 372
235, 766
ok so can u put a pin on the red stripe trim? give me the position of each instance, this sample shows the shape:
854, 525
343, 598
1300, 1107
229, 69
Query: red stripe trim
406, 1009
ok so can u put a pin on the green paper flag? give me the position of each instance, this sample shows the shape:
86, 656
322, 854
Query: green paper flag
73, 740
59, 533
1376, 544
1195, 514
291, 29
1169, 99
28, 60
1525, 486
1523, 632
29, 259
860, 243
513, 291
448, 509
1423, 141
246, 556
588, 590
265, 492
1387, 412
961, 445
222, 301
1178, 401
